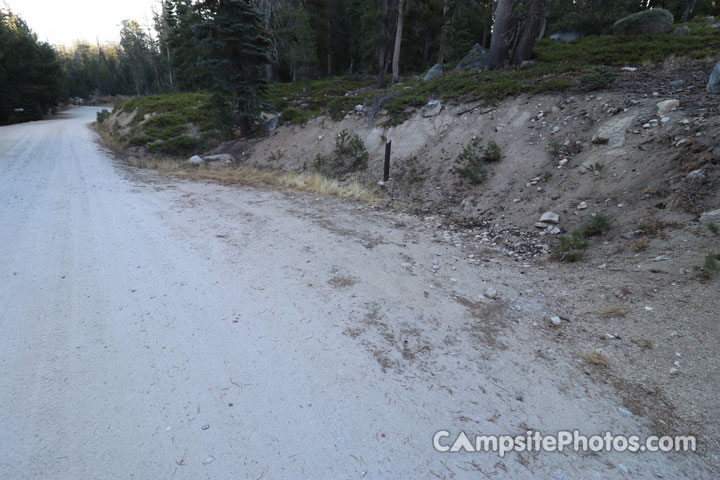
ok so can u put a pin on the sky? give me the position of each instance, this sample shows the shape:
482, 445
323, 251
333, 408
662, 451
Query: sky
64, 21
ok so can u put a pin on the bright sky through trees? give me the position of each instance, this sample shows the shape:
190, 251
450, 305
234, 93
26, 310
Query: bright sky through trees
63, 22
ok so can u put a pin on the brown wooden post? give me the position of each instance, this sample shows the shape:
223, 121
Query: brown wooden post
386, 172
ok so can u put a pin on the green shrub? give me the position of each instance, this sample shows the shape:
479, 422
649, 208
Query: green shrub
140, 140
177, 146
571, 248
492, 153
350, 146
596, 225
713, 228
102, 115
602, 77
473, 158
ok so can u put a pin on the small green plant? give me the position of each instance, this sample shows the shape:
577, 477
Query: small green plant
417, 174
713, 229
474, 156
601, 77
277, 155
571, 248
555, 147
102, 115
595, 225
596, 167
350, 146
492, 153
711, 264
547, 176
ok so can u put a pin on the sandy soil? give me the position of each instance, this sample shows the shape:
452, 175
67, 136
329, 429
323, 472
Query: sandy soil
155, 328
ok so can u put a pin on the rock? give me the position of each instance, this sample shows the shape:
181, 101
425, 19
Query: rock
654, 21
221, 158
541, 225
715, 25
359, 108
556, 321
271, 124
554, 230
476, 59
205, 427
566, 37
696, 176
674, 371
630, 235
527, 64
550, 217
491, 293
667, 105
710, 217
562, 162
196, 160
612, 132
683, 30
625, 411
582, 206
435, 72
713, 85
677, 83
629, 69
432, 109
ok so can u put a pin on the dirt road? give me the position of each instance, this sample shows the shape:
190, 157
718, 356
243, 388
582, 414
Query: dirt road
154, 328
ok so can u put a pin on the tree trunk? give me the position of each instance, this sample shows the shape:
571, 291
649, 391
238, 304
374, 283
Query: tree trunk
398, 42
441, 54
381, 51
524, 48
499, 44
381, 47
687, 10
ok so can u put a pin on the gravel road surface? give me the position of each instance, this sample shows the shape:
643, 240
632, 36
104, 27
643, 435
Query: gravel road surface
161, 328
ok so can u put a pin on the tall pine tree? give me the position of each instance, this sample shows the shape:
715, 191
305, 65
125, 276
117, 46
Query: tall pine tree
236, 49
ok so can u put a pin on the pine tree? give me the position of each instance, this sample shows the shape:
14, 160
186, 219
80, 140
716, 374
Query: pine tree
236, 49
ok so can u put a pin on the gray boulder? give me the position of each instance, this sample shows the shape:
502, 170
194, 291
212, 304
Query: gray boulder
196, 160
271, 124
434, 72
432, 109
710, 217
565, 37
220, 158
713, 85
684, 30
477, 59
654, 21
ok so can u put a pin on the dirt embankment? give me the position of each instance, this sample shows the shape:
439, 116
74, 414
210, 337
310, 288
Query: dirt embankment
644, 155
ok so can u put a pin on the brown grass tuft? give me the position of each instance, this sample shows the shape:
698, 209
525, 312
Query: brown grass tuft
596, 358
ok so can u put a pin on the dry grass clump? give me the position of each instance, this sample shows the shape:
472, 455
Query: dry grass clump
596, 358
314, 183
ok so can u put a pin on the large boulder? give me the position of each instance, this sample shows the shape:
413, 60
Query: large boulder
565, 37
713, 85
653, 21
477, 59
434, 72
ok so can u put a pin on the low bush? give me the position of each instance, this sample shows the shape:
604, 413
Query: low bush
473, 158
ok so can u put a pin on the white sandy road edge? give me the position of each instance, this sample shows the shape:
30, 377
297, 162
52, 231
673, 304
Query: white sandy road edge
135, 310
